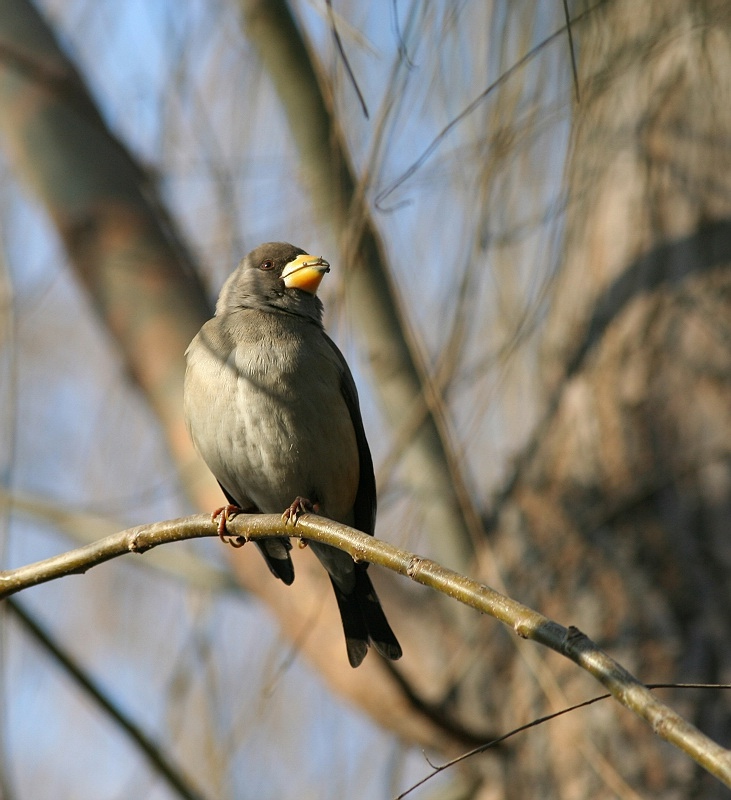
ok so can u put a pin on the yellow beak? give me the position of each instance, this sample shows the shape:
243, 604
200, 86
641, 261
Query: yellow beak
305, 273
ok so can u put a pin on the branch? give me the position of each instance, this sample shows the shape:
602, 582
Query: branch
122, 243
84, 527
526, 622
159, 760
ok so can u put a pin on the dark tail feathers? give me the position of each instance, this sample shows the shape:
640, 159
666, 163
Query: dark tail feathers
364, 620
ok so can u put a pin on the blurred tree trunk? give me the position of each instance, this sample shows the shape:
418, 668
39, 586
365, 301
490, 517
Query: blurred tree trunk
617, 520
125, 248
139, 275
400, 380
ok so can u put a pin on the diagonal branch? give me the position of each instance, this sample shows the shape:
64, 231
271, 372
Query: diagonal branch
401, 377
527, 623
122, 243
159, 760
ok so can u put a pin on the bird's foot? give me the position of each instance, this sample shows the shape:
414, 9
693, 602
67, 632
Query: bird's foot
223, 515
299, 506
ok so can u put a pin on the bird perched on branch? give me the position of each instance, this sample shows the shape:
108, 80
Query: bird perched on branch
273, 410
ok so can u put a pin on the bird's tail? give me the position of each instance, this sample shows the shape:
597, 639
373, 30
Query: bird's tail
364, 620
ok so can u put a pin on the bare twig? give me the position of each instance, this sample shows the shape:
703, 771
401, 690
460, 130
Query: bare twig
437, 768
155, 755
384, 194
572, 49
527, 623
344, 56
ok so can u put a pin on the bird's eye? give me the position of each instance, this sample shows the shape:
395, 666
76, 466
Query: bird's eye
266, 265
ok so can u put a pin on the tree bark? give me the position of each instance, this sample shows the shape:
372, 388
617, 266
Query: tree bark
617, 519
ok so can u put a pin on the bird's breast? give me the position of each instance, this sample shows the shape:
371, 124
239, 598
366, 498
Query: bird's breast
276, 425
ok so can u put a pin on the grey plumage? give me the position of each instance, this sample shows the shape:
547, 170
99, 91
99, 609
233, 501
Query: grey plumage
272, 407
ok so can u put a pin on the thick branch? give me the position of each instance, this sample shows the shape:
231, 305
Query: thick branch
122, 244
526, 622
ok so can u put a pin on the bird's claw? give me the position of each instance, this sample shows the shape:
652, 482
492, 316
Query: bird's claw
299, 506
222, 515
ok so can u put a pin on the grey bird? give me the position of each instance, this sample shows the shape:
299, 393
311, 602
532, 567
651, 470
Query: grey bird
273, 410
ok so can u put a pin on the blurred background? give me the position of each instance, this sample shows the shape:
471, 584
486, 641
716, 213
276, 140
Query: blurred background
529, 229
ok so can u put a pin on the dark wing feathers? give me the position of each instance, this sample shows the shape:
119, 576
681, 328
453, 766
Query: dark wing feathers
361, 611
364, 508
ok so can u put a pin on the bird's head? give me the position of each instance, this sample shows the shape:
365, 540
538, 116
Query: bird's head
275, 276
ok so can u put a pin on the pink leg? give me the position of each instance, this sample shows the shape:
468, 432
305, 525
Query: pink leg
299, 506
224, 514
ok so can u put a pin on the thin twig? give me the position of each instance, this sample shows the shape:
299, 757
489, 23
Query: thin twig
476, 103
343, 55
572, 50
534, 723
157, 758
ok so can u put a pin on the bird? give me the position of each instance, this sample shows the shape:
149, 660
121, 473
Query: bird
272, 408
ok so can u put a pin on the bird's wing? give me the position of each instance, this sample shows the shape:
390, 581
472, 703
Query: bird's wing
364, 508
